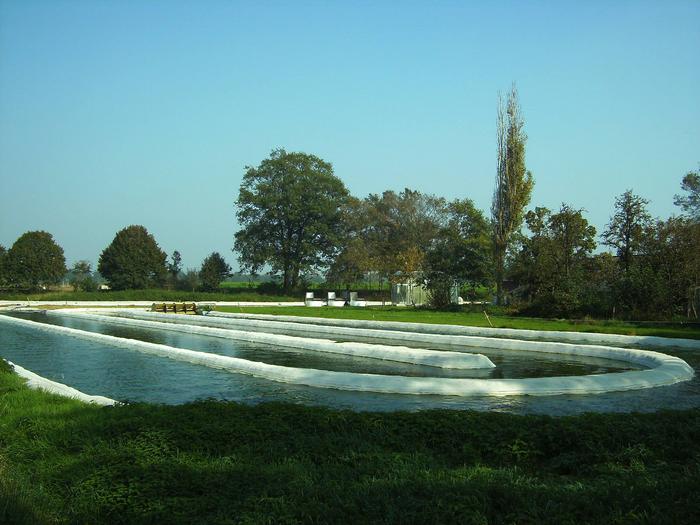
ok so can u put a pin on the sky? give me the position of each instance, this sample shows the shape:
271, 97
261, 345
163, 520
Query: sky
129, 112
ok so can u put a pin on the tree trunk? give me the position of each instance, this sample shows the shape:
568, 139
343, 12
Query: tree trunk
499, 256
285, 282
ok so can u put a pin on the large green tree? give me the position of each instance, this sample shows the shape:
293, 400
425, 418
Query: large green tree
399, 230
387, 236
513, 184
459, 253
289, 211
35, 260
553, 265
214, 270
354, 260
133, 260
670, 269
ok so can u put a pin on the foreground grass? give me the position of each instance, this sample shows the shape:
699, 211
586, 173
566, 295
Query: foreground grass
223, 463
467, 318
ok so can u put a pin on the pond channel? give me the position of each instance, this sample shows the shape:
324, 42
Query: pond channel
129, 375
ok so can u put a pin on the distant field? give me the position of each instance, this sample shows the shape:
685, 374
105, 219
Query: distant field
230, 294
465, 318
238, 285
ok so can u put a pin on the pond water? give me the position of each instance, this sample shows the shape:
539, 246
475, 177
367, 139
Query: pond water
129, 375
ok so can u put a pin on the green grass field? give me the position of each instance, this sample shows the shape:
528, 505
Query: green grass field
227, 294
467, 318
64, 462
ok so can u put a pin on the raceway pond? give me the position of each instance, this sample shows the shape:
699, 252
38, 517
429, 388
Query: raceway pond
129, 375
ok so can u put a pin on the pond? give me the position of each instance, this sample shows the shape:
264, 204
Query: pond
125, 374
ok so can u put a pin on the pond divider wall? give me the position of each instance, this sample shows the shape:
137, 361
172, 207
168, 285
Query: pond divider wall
444, 329
38, 382
459, 343
402, 354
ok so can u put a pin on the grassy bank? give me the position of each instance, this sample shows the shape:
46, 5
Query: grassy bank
223, 463
467, 318
230, 294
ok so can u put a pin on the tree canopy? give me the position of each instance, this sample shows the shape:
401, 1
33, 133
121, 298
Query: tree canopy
175, 264
690, 202
35, 259
81, 277
459, 253
133, 260
387, 235
214, 270
552, 265
625, 231
289, 210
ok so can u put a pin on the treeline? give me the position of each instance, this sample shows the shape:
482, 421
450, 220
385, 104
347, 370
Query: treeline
551, 267
132, 261
300, 225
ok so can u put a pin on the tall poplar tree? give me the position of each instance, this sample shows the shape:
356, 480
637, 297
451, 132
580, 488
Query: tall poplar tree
513, 183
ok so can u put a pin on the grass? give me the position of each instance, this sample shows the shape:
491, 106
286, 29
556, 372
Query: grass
470, 318
467, 316
227, 294
64, 462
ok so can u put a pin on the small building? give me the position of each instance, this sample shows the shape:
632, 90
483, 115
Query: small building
415, 293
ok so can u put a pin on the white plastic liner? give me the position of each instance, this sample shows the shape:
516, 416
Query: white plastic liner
642, 341
667, 370
38, 382
402, 354
460, 343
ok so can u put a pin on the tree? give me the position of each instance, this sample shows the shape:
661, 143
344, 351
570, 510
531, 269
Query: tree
214, 270
459, 254
552, 266
513, 184
81, 277
625, 231
690, 203
351, 264
190, 281
3, 264
174, 267
133, 260
399, 230
670, 264
289, 209
573, 239
35, 259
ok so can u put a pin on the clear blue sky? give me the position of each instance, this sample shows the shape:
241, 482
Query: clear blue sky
130, 112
